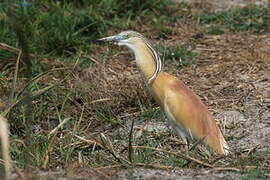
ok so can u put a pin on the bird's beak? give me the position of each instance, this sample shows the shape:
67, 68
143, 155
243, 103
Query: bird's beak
113, 39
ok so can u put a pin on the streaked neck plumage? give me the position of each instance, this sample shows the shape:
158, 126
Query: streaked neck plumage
147, 58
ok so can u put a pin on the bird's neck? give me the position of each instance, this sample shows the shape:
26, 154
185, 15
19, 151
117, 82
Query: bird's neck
145, 61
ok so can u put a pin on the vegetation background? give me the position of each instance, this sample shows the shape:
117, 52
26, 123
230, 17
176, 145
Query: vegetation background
71, 104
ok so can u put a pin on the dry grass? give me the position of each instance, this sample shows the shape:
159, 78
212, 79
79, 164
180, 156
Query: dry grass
112, 88
4, 137
231, 72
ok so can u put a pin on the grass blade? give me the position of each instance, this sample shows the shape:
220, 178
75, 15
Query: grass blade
5, 146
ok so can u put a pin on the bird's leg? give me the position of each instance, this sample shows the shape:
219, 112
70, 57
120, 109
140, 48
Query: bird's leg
185, 145
188, 144
184, 137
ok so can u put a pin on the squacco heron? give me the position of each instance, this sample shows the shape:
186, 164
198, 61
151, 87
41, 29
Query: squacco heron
184, 110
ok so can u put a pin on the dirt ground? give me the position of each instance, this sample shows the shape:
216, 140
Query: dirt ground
217, 5
232, 76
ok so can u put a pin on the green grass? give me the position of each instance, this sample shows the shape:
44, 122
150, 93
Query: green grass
214, 30
253, 18
178, 56
37, 150
59, 34
154, 156
155, 114
256, 173
64, 27
254, 159
252, 164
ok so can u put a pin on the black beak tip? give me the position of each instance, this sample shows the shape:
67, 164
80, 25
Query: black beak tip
97, 41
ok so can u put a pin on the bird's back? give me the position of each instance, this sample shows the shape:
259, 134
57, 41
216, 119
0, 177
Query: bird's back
187, 111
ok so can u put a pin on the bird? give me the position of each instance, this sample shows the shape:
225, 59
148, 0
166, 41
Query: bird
184, 110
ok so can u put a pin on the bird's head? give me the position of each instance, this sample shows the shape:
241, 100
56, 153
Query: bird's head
125, 38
